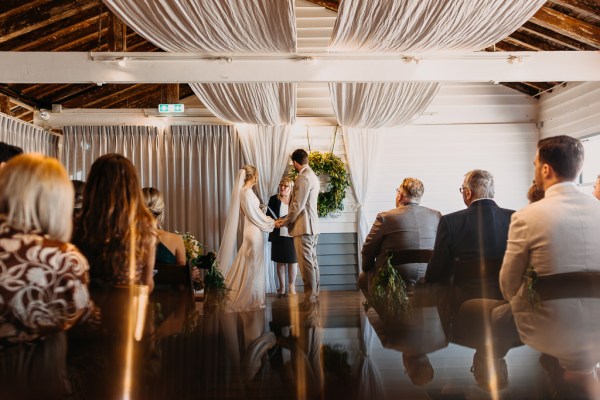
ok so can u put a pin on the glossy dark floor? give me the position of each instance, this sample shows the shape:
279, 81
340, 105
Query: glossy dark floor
332, 349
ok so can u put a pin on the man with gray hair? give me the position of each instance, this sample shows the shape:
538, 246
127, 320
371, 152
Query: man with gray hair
478, 233
409, 226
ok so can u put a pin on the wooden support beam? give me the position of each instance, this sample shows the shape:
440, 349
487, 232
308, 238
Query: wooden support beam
173, 93
117, 33
554, 37
332, 5
4, 104
589, 9
568, 26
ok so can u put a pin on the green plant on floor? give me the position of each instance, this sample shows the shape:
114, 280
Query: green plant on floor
387, 293
216, 293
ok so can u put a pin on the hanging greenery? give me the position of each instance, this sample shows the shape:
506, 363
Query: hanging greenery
331, 172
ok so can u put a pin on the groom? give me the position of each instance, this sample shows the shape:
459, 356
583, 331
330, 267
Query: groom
303, 223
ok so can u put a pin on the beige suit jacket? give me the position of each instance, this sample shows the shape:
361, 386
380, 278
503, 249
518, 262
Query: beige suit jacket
302, 217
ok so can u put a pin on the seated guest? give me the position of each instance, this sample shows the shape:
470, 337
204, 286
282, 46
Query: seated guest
557, 237
596, 191
78, 199
409, 226
477, 233
170, 248
43, 279
116, 231
534, 193
7, 152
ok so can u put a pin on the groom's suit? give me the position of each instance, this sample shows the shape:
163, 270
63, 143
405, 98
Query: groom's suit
303, 223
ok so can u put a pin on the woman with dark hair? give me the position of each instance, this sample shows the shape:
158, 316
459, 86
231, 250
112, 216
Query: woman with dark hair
115, 230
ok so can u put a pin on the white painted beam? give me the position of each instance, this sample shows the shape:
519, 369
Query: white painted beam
78, 67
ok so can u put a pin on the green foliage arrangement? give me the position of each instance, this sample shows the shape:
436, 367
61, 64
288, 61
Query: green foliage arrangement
387, 293
215, 291
330, 202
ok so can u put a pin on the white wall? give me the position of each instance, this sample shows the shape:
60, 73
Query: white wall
467, 126
572, 110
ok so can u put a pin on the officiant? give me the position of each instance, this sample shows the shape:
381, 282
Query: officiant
282, 245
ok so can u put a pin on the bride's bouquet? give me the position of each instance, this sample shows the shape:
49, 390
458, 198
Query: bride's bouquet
194, 257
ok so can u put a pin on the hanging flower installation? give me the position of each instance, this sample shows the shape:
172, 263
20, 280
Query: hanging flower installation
334, 181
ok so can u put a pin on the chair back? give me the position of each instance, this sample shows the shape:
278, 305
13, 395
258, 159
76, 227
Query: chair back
478, 278
174, 275
570, 285
410, 256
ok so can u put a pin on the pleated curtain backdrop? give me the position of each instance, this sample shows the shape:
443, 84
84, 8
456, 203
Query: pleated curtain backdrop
31, 138
192, 166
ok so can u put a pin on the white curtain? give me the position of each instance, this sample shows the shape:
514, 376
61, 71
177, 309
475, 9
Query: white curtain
362, 149
226, 26
427, 25
370, 381
268, 149
240, 26
250, 103
193, 166
376, 105
31, 138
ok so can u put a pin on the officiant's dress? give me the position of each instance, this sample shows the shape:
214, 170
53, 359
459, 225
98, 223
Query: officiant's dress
246, 276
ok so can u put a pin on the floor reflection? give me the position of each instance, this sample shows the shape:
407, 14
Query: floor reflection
330, 349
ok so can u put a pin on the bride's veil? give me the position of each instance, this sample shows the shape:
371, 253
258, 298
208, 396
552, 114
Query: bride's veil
229, 239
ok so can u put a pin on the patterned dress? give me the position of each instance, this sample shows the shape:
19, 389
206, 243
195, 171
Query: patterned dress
43, 285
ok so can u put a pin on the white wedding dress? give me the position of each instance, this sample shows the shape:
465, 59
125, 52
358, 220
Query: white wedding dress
245, 277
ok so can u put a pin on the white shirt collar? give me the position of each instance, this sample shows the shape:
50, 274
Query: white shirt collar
303, 168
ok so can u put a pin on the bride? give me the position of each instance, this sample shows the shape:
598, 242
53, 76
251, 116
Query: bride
245, 276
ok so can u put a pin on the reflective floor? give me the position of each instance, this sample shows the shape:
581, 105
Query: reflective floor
333, 349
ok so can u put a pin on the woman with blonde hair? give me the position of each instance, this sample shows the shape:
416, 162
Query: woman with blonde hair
43, 278
115, 230
170, 248
282, 244
245, 276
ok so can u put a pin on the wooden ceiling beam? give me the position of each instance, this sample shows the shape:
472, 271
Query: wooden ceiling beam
41, 16
588, 9
5, 104
521, 87
99, 94
552, 36
10, 8
117, 33
127, 95
568, 26
28, 100
55, 35
332, 5
531, 42
147, 97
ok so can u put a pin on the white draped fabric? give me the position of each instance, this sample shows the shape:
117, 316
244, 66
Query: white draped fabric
362, 148
250, 103
427, 25
193, 166
370, 381
226, 26
268, 149
239, 26
30, 138
376, 105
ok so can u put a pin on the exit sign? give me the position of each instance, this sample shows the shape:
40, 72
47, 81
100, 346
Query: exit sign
171, 108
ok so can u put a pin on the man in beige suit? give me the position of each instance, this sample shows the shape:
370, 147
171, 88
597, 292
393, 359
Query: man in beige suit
302, 221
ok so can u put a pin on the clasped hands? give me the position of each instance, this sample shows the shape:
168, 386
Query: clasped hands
278, 223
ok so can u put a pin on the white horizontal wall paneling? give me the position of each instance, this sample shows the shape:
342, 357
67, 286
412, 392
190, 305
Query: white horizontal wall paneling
572, 110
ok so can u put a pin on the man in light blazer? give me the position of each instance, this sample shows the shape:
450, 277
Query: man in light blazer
555, 236
302, 221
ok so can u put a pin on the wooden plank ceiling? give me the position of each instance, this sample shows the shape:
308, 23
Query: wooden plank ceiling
87, 25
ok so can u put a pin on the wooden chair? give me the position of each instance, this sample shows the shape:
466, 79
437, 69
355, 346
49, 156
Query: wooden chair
478, 278
570, 285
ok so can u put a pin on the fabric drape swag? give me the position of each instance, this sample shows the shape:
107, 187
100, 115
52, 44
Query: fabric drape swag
30, 138
376, 105
226, 26
362, 148
250, 103
427, 25
193, 166
268, 149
